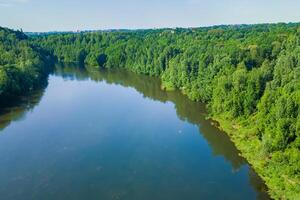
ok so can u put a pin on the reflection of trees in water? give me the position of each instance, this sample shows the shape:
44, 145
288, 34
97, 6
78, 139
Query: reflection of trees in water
17, 110
187, 110
257, 184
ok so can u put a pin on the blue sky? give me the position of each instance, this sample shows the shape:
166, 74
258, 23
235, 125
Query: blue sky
62, 15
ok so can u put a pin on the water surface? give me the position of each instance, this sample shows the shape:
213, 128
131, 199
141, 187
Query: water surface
115, 135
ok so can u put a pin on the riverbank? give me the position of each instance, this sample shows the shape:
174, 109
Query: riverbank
273, 169
280, 185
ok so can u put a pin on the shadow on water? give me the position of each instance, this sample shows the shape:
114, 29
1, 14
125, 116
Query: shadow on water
16, 110
187, 110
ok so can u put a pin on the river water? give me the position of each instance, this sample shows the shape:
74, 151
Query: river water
93, 134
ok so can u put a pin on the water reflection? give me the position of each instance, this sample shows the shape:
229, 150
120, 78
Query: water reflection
61, 168
187, 110
16, 110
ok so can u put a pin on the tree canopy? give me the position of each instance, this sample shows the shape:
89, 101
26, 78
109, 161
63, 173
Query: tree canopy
23, 66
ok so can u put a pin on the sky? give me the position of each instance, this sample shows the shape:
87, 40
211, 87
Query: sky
73, 15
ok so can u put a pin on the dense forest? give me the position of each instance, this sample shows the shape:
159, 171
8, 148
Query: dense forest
248, 76
23, 65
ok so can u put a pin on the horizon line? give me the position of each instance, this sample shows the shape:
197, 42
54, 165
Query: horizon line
155, 28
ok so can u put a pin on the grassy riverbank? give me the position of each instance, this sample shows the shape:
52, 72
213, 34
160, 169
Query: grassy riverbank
276, 170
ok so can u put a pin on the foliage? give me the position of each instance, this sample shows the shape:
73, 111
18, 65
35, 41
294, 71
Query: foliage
249, 76
23, 66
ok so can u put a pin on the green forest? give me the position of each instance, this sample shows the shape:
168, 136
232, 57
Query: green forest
248, 76
23, 65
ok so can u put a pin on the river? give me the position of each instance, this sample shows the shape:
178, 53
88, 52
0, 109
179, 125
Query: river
113, 135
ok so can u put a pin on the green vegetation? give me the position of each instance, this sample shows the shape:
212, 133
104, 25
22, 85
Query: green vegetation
248, 75
23, 66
